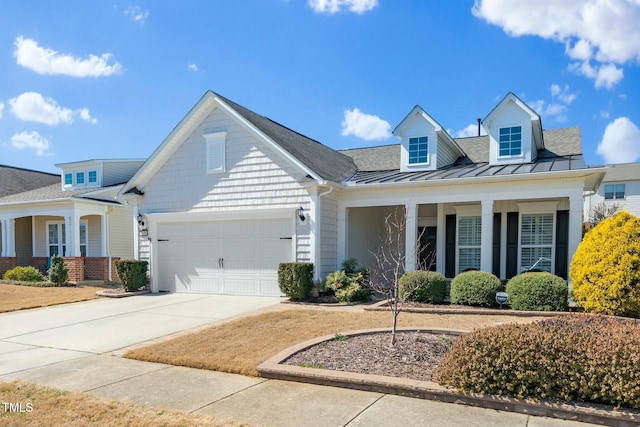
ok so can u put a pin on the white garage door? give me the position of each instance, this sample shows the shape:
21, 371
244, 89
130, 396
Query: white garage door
223, 257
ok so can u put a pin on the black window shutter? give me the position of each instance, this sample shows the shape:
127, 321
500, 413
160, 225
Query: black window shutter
512, 244
497, 220
450, 246
562, 244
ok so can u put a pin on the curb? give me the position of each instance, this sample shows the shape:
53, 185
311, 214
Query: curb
583, 412
108, 294
488, 312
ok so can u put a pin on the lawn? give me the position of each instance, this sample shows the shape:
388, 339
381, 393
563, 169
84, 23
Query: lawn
16, 297
241, 345
44, 407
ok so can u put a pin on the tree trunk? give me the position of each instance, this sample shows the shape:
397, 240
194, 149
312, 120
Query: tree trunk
393, 328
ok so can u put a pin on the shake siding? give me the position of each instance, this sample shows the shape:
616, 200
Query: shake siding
121, 232
329, 234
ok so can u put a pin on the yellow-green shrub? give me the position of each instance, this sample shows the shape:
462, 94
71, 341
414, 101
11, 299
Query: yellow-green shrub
24, 274
605, 270
582, 357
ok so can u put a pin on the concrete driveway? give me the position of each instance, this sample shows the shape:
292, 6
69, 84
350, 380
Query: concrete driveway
39, 337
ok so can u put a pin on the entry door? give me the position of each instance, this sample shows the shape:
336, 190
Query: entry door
427, 255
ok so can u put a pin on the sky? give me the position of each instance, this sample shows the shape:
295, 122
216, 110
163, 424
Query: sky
107, 79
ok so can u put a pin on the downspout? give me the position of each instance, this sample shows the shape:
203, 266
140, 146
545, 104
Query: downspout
106, 220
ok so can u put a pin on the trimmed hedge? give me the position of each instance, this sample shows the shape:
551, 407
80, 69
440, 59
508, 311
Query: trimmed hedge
427, 286
605, 270
475, 288
581, 357
295, 279
24, 274
538, 292
132, 273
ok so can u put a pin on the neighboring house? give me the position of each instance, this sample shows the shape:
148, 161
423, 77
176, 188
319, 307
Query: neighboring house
17, 180
620, 187
77, 217
229, 194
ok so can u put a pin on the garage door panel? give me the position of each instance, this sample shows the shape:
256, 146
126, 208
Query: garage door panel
251, 250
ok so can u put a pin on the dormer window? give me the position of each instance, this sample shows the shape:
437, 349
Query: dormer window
93, 177
68, 179
80, 178
510, 141
418, 150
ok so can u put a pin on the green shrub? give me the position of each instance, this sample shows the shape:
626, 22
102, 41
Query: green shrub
24, 274
605, 269
350, 283
425, 286
58, 272
581, 357
132, 273
538, 292
475, 288
295, 279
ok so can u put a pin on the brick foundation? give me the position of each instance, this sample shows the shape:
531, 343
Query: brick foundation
40, 263
75, 266
97, 268
7, 263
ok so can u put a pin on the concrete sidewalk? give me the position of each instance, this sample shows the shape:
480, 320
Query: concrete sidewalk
74, 347
257, 400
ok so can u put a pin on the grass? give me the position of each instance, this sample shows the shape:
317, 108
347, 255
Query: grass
15, 297
241, 345
51, 407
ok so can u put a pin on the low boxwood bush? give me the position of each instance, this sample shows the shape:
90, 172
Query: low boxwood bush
475, 288
295, 279
538, 292
582, 357
350, 283
24, 274
132, 273
58, 272
424, 286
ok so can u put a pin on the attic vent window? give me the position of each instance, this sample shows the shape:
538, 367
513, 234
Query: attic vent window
215, 152
510, 141
418, 150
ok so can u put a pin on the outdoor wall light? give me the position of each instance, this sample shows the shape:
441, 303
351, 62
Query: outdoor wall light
300, 214
140, 219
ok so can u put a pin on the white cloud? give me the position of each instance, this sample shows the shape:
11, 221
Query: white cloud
604, 114
620, 142
1, 109
558, 108
193, 67
602, 31
48, 61
137, 14
33, 107
365, 126
335, 6
31, 140
471, 130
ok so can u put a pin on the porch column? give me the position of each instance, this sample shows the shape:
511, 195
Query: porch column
486, 246
72, 231
576, 204
9, 238
3, 237
440, 239
343, 215
411, 236
104, 232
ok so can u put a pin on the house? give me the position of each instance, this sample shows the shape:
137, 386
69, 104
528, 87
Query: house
16, 180
229, 194
76, 217
620, 188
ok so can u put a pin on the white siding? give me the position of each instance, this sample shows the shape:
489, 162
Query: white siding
41, 234
328, 234
121, 232
118, 172
631, 202
256, 177
446, 156
94, 235
511, 115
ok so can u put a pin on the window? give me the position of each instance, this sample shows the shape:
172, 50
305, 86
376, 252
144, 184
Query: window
215, 152
510, 141
469, 242
68, 179
418, 150
79, 178
614, 191
93, 177
536, 241
57, 239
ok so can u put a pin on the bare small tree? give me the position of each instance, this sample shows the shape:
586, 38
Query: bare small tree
600, 211
389, 265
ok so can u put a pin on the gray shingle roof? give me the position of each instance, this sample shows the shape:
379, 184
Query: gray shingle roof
17, 180
48, 193
327, 163
558, 143
622, 172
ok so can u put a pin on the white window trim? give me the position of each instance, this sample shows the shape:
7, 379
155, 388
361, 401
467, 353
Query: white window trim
216, 138
420, 164
553, 238
614, 184
61, 236
511, 156
469, 211
74, 178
